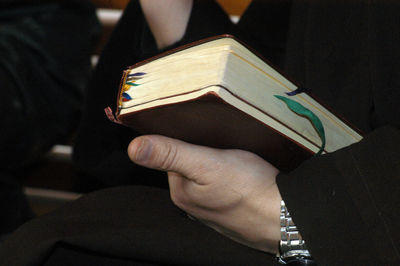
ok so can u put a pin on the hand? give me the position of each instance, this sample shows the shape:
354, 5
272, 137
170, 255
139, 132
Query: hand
167, 19
232, 191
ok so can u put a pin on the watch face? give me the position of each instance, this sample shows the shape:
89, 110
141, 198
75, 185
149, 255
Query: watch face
299, 261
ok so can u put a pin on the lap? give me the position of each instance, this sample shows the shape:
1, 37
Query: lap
132, 223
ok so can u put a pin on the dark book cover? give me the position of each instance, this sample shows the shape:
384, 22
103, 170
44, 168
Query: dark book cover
210, 121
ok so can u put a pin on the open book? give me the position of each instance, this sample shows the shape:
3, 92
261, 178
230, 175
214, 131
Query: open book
218, 93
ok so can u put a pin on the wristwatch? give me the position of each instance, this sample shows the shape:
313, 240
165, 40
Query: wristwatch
292, 247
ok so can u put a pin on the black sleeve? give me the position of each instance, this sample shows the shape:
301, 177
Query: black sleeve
346, 203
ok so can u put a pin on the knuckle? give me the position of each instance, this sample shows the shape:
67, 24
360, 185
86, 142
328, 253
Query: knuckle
168, 159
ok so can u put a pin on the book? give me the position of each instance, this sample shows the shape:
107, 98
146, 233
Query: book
217, 92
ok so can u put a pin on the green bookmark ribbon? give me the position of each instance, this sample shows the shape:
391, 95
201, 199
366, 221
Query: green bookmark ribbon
302, 111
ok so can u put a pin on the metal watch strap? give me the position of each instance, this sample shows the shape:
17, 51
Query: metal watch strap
292, 245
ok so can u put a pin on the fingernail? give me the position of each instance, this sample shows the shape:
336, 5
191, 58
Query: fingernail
144, 151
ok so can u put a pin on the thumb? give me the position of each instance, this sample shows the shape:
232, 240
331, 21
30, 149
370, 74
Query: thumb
167, 154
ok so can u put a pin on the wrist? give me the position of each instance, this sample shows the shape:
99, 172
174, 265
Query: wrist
266, 232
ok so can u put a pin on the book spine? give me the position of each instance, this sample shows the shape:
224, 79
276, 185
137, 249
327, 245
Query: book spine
120, 91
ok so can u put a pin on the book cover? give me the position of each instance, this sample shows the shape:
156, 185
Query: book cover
219, 93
